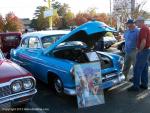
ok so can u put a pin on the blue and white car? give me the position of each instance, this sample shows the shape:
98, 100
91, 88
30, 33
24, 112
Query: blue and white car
51, 56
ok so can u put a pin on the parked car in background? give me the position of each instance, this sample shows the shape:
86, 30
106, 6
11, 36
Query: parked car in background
121, 46
8, 41
51, 56
17, 85
109, 41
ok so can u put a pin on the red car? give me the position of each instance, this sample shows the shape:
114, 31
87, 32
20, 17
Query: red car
17, 85
8, 41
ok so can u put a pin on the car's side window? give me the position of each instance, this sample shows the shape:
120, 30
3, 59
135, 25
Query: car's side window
24, 43
34, 43
49, 40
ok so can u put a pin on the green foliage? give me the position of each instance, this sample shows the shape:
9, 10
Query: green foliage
39, 22
60, 18
63, 18
10, 23
1, 24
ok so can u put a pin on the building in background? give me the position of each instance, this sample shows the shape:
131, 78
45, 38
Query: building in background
26, 22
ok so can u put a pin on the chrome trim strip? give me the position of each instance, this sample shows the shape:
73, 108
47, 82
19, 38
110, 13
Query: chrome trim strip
18, 95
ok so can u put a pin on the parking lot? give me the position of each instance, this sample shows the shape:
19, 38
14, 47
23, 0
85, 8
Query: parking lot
117, 100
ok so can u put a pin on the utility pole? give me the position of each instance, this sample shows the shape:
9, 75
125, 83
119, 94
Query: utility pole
110, 13
132, 7
50, 17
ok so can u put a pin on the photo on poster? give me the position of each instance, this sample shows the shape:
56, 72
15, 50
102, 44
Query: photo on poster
92, 56
88, 82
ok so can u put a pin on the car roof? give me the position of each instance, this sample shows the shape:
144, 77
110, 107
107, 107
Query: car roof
10, 33
40, 34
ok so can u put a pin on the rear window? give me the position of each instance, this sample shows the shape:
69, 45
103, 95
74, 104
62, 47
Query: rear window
11, 38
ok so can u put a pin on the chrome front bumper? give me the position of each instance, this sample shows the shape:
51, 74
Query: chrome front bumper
107, 84
113, 82
70, 91
17, 96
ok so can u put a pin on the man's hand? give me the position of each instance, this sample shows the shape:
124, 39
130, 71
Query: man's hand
143, 44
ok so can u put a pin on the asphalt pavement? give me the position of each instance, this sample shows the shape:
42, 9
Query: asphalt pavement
117, 100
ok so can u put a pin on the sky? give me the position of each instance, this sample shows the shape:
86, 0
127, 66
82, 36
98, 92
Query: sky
26, 8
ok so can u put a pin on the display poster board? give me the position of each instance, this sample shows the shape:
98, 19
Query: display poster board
88, 82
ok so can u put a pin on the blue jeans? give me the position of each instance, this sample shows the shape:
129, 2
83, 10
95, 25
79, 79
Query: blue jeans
141, 68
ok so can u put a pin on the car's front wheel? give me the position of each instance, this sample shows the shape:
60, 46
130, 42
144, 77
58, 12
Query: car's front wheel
58, 86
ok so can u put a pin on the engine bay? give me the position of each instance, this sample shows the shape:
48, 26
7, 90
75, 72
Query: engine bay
79, 55
76, 55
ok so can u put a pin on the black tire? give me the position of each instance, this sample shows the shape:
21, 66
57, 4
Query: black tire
58, 86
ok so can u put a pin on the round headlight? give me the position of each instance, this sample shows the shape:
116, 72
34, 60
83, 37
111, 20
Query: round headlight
16, 86
28, 83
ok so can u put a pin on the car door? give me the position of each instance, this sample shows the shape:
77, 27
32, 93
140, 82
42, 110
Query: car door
30, 48
18, 55
34, 54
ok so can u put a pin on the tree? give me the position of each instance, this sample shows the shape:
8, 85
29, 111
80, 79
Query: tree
138, 11
64, 13
63, 9
39, 22
34, 24
56, 5
123, 12
68, 17
60, 17
12, 23
1, 24
90, 14
56, 20
81, 18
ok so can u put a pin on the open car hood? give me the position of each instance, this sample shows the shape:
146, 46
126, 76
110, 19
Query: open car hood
88, 33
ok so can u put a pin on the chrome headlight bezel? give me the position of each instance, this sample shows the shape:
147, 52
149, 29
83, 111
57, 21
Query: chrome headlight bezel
16, 86
28, 83
23, 82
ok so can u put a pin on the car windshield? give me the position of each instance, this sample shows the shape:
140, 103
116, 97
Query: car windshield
49, 40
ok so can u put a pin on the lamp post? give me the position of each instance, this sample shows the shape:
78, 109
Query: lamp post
50, 17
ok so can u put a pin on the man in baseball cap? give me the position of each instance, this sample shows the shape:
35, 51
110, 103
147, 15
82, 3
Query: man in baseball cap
130, 36
140, 77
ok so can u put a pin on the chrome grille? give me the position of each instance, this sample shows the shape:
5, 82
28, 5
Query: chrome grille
109, 76
5, 91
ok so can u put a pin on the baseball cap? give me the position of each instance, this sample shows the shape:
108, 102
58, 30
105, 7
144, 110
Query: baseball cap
140, 18
130, 21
